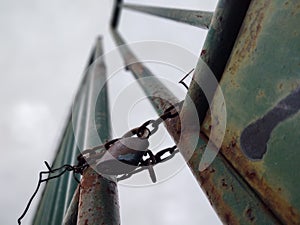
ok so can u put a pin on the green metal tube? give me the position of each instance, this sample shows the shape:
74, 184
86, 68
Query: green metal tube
196, 18
227, 20
98, 201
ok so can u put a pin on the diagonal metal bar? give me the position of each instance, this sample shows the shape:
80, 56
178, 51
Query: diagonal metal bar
160, 97
98, 201
196, 18
158, 94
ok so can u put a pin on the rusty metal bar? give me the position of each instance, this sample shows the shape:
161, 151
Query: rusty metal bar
98, 201
196, 18
159, 96
70, 217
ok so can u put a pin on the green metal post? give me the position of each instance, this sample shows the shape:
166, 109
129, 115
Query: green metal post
98, 201
226, 23
196, 18
260, 84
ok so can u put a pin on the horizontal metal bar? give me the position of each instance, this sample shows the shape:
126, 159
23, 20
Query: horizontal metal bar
196, 18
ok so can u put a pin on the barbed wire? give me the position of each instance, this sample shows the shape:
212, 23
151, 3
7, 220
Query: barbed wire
92, 155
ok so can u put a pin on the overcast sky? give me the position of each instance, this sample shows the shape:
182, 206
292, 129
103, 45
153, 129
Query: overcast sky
44, 47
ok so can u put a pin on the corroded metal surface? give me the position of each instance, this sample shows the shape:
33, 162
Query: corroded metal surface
226, 23
70, 217
98, 202
230, 196
196, 18
260, 85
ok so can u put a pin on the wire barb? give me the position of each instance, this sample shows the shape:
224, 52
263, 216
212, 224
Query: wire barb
64, 168
182, 80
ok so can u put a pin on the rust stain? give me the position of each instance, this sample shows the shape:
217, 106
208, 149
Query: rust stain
203, 52
253, 172
223, 183
280, 86
110, 191
295, 9
88, 180
249, 215
260, 94
250, 30
90, 197
137, 67
214, 193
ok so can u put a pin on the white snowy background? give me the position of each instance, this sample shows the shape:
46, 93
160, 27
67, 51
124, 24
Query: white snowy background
44, 46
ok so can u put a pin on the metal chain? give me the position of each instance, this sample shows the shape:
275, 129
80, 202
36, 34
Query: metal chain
172, 151
142, 131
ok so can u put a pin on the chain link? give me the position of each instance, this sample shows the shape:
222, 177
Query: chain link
142, 132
